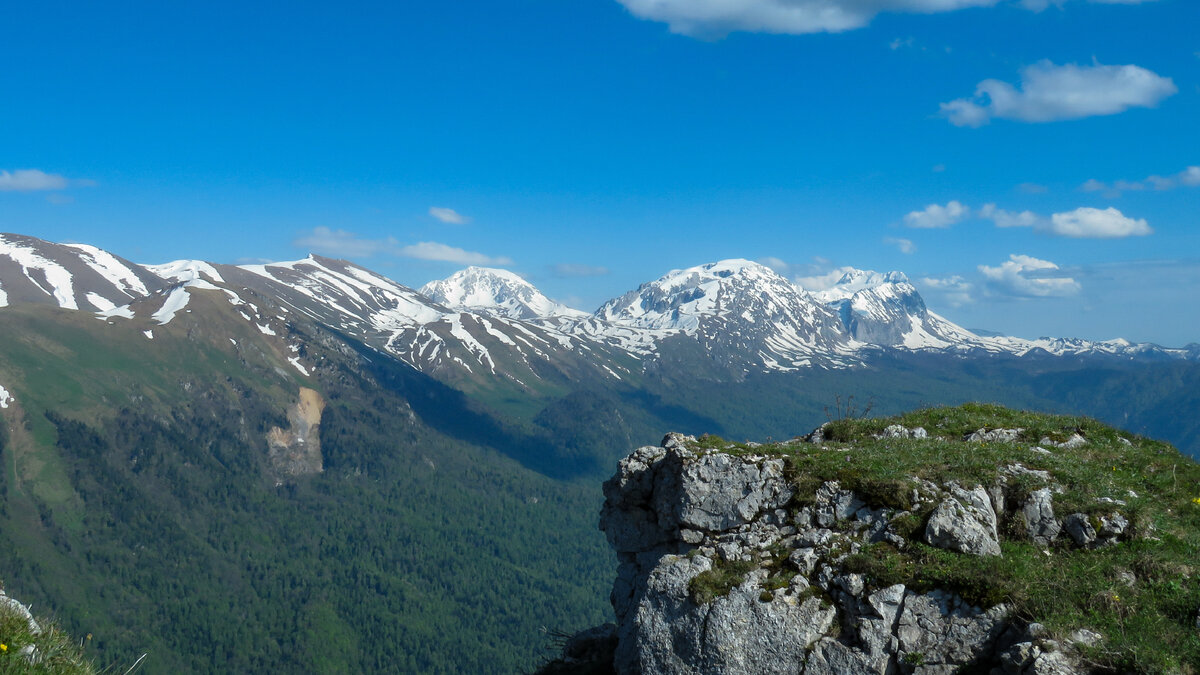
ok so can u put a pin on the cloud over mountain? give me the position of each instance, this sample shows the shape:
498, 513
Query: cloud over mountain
1024, 276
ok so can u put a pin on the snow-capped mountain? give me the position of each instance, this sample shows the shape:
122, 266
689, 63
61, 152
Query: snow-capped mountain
486, 323
495, 292
886, 310
71, 276
738, 310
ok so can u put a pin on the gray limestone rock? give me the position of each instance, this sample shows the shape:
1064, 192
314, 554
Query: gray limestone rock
945, 629
964, 522
1080, 529
900, 431
1040, 524
676, 512
735, 633
994, 436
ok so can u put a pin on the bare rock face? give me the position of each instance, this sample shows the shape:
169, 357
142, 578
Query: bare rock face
1040, 524
721, 572
296, 451
965, 522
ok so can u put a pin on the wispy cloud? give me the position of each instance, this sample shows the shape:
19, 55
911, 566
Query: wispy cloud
576, 270
937, 216
954, 290
431, 250
711, 19
449, 216
1003, 218
36, 180
1023, 276
905, 246
1033, 188
1189, 177
1082, 223
823, 280
1049, 93
343, 244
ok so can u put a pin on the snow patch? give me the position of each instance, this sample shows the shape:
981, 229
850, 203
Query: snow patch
149, 334
5, 397
176, 300
186, 270
62, 285
100, 302
123, 312
113, 270
265, 330
296, 362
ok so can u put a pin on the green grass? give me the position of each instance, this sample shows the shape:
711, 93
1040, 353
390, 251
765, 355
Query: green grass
1148, 626
716, 582
55, 652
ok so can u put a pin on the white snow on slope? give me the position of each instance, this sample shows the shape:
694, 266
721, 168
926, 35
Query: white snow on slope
5, 397
186, 270
108, 266
61, 283
296, 362
100, 302
176, 300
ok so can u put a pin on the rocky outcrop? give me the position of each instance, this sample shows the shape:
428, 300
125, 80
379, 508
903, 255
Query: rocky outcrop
727, 566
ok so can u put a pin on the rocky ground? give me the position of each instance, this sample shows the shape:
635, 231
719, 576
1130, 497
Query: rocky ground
920, 544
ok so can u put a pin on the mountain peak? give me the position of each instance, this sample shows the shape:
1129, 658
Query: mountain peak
496, 292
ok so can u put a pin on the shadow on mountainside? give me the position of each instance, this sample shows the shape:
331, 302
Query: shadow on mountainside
451, 413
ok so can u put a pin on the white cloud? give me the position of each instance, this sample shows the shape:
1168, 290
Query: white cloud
1049, 93
716, 18
576, 270
30, 180
954, 291
431, 250
449, 216
343, 244
904, 245
1027, 277
1033, 188
1089, 223
1189, 177
1004, 218
936, 215
1039, 5
822, 281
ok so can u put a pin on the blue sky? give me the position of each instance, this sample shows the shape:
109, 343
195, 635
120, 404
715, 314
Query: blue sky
1033, 166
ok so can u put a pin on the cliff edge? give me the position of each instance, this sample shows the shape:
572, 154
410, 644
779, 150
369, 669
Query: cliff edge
969, 539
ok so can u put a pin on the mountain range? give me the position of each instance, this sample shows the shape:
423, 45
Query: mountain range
316, 468
482, 321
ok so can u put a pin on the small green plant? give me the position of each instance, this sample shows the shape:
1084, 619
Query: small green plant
913, 659
718, 581
47, 650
